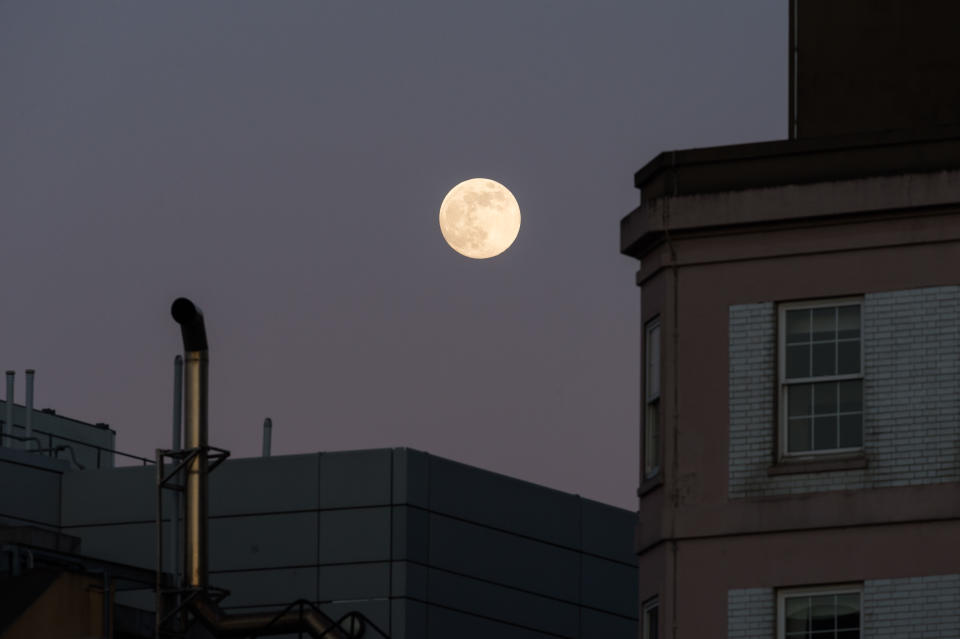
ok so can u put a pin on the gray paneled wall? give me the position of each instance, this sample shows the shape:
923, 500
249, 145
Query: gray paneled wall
31, 489
424, 546
513, 559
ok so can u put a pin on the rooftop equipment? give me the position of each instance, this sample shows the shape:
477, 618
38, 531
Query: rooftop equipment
8, 418
267, 432
194, 595
28, 419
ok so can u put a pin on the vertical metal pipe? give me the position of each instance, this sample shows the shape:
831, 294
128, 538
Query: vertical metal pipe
195, 413
195, 439
177, 430
267, 436
158, 590
8, 419
28, 420
177, 400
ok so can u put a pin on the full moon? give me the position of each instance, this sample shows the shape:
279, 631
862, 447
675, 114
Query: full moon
479, 218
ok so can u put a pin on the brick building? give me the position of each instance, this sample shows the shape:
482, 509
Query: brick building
800, 382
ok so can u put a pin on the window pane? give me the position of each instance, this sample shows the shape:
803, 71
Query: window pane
799, 397
824, 359
798, 435
848, 611
849, 321
798, 326
825, 323
851, 431
798, 361
651, 625
797, 612
651, 440
825, 398
848, 634
848, 358
824, 433
653, 361
851, 396
822, 612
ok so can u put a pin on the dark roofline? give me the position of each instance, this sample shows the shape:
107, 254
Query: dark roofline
799, 161
45, 411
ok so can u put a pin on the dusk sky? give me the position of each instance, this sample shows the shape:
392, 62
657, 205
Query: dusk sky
282, 164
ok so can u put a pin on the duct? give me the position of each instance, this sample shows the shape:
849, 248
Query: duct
195, 359
56, 450
8, 420
291, 621
177, 445
195, 402
177, 400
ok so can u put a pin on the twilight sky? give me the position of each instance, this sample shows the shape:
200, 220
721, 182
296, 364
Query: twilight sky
282, 164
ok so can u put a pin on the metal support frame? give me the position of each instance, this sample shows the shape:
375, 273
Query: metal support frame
172, 603
353, 624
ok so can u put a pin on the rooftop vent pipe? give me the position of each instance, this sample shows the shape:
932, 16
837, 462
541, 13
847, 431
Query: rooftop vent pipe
196, 360
8, 419
28, 420
195, 363
267, 432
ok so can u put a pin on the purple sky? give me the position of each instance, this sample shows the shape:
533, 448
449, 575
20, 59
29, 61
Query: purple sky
283, 163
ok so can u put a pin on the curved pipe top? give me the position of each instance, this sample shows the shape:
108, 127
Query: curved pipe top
190, 319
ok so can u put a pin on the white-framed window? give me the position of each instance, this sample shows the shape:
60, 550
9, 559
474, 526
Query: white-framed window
651, 419
650, 628
827, 612
821, 377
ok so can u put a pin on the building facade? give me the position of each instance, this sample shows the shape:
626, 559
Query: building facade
801, 367
422, 546
82, 444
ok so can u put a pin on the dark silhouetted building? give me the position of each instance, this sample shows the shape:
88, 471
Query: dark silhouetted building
423, 546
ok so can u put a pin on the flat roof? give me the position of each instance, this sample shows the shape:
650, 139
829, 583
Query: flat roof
798, 161
761, 165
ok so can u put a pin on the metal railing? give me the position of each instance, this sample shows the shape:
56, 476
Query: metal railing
52, 448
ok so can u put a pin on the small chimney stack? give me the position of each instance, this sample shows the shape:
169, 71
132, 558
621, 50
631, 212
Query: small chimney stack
28, 420
195, 363
267, 434
8, 420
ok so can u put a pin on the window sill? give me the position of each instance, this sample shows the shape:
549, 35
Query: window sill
826, 464
649, 484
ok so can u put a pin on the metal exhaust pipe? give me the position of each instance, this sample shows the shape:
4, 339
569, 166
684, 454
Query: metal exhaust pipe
177, 445
196, 360
267, 436
311, 621
8, 419
177, 401
28, 420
